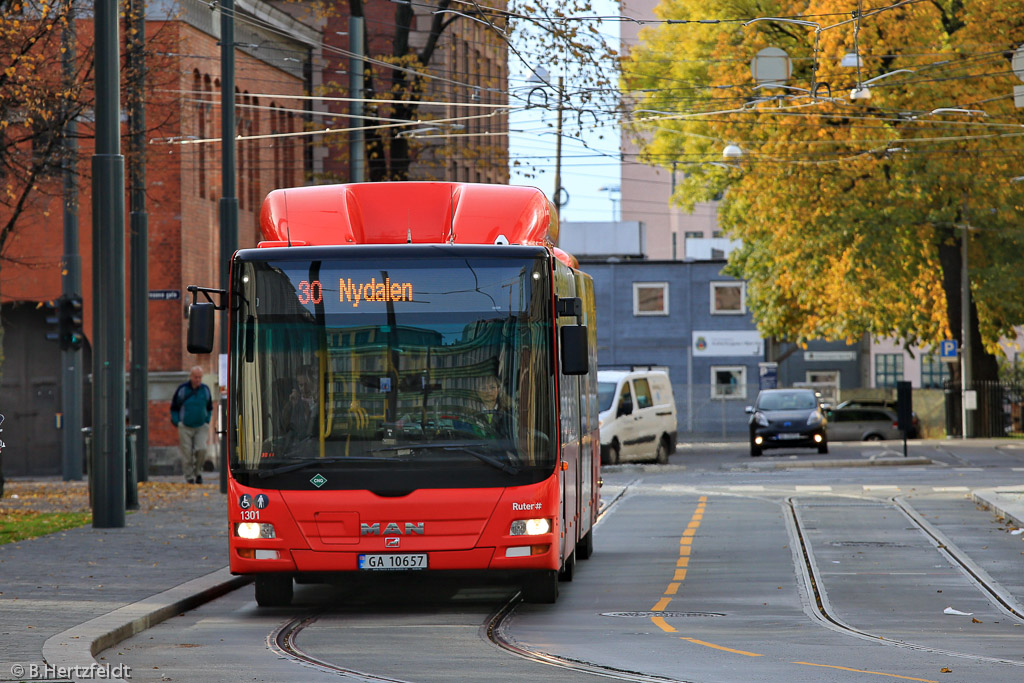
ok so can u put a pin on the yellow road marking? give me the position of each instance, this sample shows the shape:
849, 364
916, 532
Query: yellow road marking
702, 499
721, 647
662, 624
684, 561
862, 671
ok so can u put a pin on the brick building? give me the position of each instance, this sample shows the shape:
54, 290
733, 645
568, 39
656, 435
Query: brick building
283, 54
465, 93
182, 191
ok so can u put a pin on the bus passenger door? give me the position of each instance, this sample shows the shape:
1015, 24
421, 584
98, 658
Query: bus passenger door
569, 427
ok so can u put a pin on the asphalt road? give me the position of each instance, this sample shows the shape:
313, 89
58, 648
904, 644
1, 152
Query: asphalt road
715, 568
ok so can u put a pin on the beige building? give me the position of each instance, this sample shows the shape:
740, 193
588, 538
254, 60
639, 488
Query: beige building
646, 189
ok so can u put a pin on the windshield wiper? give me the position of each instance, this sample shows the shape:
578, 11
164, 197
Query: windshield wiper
263, 474
458, 447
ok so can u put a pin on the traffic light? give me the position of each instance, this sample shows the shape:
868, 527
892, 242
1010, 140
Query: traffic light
71, 335
53, 320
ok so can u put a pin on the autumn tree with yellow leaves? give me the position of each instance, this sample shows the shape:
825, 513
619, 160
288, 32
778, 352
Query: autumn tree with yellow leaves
851, 211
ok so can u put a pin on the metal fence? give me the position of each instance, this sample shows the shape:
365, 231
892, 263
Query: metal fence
714, 412
999, 411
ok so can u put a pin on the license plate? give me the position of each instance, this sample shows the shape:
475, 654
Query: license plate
393, 561
790, 435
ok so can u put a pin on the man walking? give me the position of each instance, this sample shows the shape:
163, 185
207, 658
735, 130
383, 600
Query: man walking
191, 409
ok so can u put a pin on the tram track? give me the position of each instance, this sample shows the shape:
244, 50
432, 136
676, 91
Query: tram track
822, 611
282, 641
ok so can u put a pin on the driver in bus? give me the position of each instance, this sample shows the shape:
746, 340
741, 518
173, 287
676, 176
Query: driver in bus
496, 417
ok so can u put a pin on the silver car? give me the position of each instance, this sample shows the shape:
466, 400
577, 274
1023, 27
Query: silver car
862, 424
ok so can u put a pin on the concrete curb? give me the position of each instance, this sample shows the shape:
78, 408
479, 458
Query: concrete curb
74, 649
894, 461
1007, 501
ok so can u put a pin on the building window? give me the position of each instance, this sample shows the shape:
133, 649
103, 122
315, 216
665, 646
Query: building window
934, 372
650, 298
888, 369
728, 381
727, 298
694, 234
825, 383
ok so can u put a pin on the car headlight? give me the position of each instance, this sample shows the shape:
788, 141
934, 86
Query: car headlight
814, 418
760, 419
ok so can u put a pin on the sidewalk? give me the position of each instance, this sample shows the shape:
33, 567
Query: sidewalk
76, 579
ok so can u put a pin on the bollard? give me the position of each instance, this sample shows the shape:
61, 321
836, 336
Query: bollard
87, 436
131, 486
131, 479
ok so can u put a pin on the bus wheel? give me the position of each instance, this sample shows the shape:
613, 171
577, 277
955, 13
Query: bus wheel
273, 590
585, 548
661, 455
542, 587
568, 568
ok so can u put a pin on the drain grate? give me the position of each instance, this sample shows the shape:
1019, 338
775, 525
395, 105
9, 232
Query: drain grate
667, 615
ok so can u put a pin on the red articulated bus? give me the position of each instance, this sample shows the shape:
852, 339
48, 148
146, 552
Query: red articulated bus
412, 386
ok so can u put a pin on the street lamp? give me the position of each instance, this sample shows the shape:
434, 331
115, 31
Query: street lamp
613, 190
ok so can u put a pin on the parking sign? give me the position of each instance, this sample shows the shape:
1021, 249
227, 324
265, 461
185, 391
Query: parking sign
948, 350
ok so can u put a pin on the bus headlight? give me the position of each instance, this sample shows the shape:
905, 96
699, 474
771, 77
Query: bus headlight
530, 527
254, 530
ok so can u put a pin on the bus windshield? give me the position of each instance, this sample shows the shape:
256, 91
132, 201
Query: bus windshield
390, 374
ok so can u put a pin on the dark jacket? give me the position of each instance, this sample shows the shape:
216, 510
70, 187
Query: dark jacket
191, 407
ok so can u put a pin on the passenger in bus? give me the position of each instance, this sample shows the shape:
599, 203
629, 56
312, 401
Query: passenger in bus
301, 413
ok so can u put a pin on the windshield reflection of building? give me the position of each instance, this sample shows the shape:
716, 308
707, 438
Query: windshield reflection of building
436, 382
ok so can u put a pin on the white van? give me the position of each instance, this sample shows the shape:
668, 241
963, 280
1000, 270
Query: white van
638, 415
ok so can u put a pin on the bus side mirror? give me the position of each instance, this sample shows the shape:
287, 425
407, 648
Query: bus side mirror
575, 354
200, 327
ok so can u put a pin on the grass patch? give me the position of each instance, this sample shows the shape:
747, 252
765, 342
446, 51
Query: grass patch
20, 525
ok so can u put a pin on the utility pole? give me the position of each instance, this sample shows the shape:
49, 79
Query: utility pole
558, 155
357, 46
229, 201
139, 244
71, 275
965, 333
108, 390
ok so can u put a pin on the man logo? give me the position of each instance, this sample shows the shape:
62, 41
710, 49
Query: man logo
392, 529
392, 542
